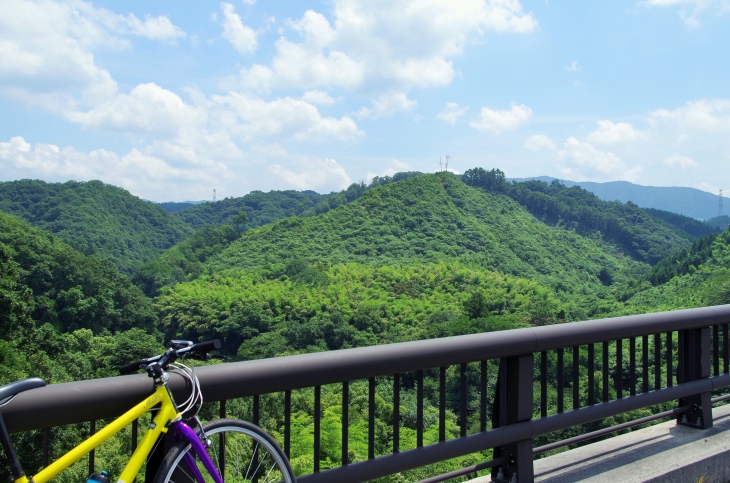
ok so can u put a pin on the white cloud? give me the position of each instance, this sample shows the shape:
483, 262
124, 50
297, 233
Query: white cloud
137, 172
702, 115
496, 122
395, 166
148, 107
691, 10
386, 105
154, 28
540, 143
452, 112
582, 161
383, 45
318, 97
287, 117
573, 67
48, 47
313, 173
609, 132
240, 36
679, 161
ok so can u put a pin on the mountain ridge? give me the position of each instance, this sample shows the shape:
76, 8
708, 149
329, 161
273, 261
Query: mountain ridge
691, 202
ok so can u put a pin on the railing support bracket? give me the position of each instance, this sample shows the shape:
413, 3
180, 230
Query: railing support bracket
514, 406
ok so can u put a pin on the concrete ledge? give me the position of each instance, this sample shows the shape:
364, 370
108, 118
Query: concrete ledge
662, 453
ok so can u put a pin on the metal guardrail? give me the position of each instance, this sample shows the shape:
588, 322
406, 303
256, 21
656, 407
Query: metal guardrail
681, 356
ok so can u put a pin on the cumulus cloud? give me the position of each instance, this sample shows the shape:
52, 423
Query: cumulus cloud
582, 161
452, 112
240, 36
609, 132
386, 105
318, 97
154, 28
148, 107
287, 117
540, 143
313, 173
383, 45
679, 161
47, 49
140, 173
705, 115
496, 122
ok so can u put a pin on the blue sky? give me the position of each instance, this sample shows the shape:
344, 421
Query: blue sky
174, 99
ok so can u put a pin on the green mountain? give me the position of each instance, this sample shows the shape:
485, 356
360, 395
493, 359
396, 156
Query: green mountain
691, 202
629, 228
422, 257
688, 227
261, 208
696, 277
95, 218
425, 219
46, 281
184, 261
720, 222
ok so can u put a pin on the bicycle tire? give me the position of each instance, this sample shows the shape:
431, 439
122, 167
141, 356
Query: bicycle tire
251, 455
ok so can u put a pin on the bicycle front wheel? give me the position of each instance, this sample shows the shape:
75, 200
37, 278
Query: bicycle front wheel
242, 452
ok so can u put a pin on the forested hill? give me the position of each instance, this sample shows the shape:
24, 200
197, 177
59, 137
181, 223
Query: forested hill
53, 283
634, 231
96, 218
260, 208
427, 219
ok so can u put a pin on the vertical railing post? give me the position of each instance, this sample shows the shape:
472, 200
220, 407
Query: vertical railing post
513, 407
694, 364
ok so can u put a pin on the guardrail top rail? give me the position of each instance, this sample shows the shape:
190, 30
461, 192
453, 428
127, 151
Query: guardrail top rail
60, 404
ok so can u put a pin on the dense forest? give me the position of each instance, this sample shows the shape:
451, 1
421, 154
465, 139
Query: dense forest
96, 219
87, 267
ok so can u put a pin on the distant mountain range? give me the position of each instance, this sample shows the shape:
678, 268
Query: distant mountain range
685, 201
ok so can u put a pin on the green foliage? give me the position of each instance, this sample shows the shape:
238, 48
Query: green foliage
260, 208
412, 256
688, 227
184, 261
719, 222
422, 219
628, 227
95, 218
314, 308
69, 291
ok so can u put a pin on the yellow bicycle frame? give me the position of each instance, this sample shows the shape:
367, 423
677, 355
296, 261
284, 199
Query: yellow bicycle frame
166, 414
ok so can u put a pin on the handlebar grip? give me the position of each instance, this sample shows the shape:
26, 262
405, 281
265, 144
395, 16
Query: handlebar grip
202, 347
131, 367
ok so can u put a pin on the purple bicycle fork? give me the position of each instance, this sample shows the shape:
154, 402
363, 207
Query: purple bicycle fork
183, 431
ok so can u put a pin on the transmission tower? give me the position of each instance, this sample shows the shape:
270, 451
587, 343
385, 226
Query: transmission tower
213, 195
447, 161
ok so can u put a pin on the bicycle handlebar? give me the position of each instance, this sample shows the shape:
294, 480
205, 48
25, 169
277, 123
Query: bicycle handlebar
200, 350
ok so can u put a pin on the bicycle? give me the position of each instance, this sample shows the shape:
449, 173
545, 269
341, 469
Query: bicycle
217, 451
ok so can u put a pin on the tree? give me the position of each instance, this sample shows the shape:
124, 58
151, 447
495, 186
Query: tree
240, 220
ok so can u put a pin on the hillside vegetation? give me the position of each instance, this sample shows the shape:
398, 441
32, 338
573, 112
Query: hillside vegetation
95, 218
428, 219
261, 208
406, 257
631, 229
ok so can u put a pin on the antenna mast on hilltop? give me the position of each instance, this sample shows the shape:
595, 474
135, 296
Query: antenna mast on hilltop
213, 195
447, 162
